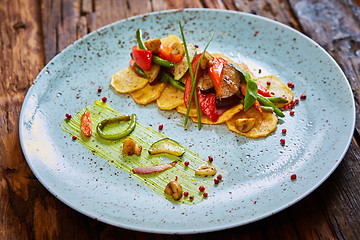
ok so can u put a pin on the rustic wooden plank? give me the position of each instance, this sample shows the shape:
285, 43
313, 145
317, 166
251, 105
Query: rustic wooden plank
214, 4
341, 196
159, 5
108, 11
335, 26
21, 58
278, 10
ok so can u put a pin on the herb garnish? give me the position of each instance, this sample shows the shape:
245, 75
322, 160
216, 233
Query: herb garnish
193, 77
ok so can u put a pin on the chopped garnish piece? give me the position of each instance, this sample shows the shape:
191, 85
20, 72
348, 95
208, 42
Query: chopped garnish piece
153, 169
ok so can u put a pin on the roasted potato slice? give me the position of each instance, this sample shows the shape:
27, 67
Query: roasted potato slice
264, 124
126, 80
246, 69
170, 98
171, 39
148, 94
277, 87
183, 109
217, 55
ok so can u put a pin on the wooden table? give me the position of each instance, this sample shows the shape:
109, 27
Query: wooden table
34, 31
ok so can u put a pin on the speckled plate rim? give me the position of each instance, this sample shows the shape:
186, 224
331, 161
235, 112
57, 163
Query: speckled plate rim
205, 229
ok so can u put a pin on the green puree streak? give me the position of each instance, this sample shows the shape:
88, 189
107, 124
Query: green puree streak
112, 151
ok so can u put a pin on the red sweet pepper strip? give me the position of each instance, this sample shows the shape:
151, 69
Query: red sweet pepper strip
132, 63
207, 102
142, 57
262, 90
215, 73
188, 83
165, 53
86, 124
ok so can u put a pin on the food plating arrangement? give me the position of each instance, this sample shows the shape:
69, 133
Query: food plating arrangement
209, 88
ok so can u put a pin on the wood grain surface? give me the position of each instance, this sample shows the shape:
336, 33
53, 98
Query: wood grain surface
32, 32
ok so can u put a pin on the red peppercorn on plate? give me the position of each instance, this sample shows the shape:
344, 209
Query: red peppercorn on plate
249, 179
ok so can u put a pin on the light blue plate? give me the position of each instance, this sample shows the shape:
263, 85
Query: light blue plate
257, 183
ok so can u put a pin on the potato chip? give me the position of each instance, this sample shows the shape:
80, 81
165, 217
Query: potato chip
170, 98
153, 72
170, 39
148, 93
246, 69
264, 124
126, 80
183, 109
222, 118
277, 87
217, 55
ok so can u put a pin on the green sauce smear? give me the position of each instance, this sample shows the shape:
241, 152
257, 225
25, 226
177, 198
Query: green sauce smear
144, 136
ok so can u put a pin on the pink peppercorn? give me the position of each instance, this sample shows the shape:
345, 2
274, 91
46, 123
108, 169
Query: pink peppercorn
186, 163
210, 158
219, 177
68, 116
283, 131
303, 96
293, 177
202, 188
205, 194
285, 107
104, 99
282, 141
291, 84
268, 83
186, 194
161, 127
216, 181
74, 137
296, 101
99, 90
191, 198
292, 113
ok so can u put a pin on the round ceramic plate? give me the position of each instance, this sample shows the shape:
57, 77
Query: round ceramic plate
257, 182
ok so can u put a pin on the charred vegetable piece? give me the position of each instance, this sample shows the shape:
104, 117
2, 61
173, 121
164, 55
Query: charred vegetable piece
174, 189
206, 61
153, 45
182, 67
245, 124
216, 71
116, 136
173, 53
230, 85
155, 59
166, 77
153, 169
166, 145
86, 124
130, 147
205, 170
205, 84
